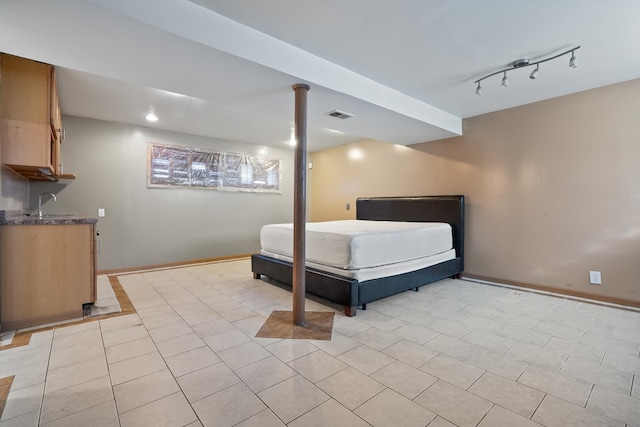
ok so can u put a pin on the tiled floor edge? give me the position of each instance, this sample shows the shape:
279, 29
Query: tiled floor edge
551, 294
23, 338
138, 270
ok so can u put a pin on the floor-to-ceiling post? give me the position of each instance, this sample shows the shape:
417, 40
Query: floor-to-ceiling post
300, 203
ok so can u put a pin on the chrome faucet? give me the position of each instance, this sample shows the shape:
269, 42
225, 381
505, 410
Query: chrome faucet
40, 202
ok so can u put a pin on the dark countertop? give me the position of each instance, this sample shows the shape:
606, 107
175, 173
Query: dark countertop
21, 218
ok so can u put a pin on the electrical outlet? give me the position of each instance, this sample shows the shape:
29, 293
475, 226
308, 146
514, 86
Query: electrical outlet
348, 206
595, 278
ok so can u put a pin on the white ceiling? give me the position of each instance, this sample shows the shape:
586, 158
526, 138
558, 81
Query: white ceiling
405, 68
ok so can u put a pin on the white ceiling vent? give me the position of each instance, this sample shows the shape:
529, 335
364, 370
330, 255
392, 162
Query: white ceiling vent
340, 114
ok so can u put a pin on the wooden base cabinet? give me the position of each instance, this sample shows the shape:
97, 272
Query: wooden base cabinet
47, 272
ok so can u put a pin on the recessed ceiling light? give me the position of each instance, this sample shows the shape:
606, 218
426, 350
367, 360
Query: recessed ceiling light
151, 117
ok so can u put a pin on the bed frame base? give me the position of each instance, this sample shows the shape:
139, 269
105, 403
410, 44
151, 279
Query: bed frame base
349, 292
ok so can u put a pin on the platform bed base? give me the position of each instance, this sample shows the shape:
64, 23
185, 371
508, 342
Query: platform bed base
349, 292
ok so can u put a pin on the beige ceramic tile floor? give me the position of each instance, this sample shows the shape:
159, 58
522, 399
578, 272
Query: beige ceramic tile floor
456, 353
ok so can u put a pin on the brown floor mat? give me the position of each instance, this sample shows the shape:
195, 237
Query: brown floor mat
318, 326
5, 386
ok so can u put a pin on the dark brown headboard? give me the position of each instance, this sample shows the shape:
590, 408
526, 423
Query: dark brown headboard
449, 209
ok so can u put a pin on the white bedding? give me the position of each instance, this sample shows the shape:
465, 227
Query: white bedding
375, 272
358, 244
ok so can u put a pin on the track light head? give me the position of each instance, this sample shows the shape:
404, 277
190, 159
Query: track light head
573, 62
479, 89
505, 80
534, 73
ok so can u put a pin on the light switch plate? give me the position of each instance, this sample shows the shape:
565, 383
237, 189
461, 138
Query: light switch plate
595, 278
101, 213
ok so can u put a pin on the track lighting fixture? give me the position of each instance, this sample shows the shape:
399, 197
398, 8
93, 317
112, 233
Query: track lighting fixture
521, 63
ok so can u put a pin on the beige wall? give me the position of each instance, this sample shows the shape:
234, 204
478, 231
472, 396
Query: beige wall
553, 189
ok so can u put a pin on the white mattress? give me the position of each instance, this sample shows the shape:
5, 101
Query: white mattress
358, 244
375, 272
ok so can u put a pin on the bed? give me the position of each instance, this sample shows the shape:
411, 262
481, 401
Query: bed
354, 279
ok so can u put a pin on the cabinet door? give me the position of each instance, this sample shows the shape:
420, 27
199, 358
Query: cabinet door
56, 126
47, 272
26, 90
26, 115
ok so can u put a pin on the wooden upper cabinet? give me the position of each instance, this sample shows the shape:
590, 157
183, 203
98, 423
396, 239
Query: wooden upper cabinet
31, 118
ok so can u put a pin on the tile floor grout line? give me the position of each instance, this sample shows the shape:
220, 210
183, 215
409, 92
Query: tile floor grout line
522, 373
493, 405
586, 402
104, 347
538, 406
311, 409
376, 394
604, 354
44, 385
564, 363
474, 382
